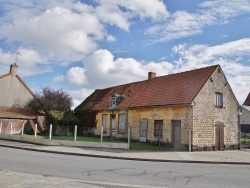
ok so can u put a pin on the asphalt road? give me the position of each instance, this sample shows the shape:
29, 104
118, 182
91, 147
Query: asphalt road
124, 173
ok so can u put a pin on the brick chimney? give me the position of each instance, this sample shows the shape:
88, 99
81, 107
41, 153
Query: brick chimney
151, 75
13, 68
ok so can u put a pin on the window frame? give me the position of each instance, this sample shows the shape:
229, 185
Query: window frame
121, 123
218, 100
113, 102
158, 128
105, 124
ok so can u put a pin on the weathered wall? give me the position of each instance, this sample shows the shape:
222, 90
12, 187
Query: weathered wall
108, 132
16, 126
206, 114
167, 114
13, 92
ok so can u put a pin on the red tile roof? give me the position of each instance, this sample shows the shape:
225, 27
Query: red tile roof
247, 101
175, 89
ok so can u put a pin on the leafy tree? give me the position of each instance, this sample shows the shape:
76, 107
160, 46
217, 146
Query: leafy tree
56, 104
50, 99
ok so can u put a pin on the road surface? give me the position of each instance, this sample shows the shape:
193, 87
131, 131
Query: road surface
122, 173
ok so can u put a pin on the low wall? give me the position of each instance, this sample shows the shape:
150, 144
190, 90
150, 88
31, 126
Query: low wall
65, 142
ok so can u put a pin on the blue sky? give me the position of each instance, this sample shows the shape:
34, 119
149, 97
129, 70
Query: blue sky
81, 46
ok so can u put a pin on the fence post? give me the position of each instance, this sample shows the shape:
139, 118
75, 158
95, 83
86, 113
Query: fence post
35, 129
22, 129
190, 139
129, 137
10, 128
50, 131
75, 133
101, 134
1, 127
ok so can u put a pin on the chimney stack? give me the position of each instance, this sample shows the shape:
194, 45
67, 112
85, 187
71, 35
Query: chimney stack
151, 75
13, 68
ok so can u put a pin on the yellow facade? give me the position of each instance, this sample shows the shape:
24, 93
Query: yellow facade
133, 115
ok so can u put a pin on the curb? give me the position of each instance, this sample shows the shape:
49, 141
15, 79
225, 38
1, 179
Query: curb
127, 158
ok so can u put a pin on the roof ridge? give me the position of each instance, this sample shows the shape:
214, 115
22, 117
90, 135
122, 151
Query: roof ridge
187, 71
5, 75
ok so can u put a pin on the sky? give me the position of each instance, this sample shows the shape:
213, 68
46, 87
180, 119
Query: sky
80, 46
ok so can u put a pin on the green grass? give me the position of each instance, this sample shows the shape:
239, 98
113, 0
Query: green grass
134, 145
245, 139
71, 138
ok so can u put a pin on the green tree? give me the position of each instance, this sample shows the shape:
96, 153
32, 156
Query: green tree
57, 106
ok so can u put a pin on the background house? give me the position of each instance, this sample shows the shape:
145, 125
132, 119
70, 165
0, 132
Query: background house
245, 116
168, 108
14, 96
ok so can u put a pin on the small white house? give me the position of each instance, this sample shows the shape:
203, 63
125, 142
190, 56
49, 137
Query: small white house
245, 116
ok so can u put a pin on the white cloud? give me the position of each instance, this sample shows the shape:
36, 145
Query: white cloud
75, 76
102, 70
30, 61
229, 55
183, 24
111, 38
58, 78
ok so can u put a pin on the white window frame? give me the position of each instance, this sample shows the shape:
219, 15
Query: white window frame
104, 122
113, 102
121, 123
218, 99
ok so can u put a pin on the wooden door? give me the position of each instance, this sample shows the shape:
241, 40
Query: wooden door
219, 137
143, 130
112, 125
176, 132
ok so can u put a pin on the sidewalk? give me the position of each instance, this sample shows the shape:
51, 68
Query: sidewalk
221, 157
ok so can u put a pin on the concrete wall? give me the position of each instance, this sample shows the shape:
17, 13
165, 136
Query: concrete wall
13, 92
205, 114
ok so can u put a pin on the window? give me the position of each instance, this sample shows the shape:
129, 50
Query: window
115, 100
158, 128
121, 125
104, 122
218, 100
113, 103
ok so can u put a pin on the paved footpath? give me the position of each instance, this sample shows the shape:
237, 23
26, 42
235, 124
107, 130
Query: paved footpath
223, 157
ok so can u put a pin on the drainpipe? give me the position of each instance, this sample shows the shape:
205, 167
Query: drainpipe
239, 125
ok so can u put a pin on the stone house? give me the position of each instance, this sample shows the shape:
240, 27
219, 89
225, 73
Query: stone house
14, 96
245, 116
196, 107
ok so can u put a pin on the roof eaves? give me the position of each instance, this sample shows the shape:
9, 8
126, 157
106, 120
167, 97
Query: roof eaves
25, 85
215, 66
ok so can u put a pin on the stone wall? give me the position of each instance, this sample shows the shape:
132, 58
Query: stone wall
206, 114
